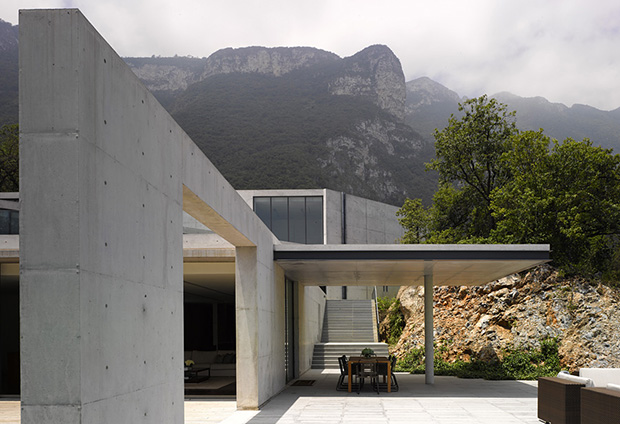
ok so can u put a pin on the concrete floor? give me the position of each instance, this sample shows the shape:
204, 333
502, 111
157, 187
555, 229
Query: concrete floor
449, 400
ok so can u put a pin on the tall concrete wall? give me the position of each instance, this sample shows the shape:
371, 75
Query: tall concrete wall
311, 314
100, 233
106, 173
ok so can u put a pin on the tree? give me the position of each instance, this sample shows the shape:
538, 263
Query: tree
567, 195
468, 153
499, 185
9, 158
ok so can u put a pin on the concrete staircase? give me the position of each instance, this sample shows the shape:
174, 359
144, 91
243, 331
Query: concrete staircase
348, 327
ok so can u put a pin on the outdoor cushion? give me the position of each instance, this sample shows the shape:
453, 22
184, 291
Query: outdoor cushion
601, 376
581, 380
613, 386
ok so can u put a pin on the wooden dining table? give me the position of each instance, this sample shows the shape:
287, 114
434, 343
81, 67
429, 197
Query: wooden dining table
372, 360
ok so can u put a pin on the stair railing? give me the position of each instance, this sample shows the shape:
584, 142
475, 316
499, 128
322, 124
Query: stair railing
374, 298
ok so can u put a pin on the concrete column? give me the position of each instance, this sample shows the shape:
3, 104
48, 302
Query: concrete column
429, 351
247, 327
101, 284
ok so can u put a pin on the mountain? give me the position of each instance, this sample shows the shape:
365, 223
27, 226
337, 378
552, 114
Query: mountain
314, 121
9, 74
560, 122
430, 104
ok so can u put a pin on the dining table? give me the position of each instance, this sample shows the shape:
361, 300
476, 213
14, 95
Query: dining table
371, 360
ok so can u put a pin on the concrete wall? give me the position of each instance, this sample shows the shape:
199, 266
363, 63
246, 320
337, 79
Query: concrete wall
370, 222
100, 233
311, 314
105, 175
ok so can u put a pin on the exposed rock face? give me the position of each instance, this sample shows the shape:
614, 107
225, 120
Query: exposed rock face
159, 77
361, 158
482, 321
425, 92
375, 73
270, 61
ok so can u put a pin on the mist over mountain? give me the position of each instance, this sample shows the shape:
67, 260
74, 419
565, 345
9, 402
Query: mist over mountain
301, 117
430, 104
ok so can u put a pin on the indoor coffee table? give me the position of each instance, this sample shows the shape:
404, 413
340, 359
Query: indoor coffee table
191, 374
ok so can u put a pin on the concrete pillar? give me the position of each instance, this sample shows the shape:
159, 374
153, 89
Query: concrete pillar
101, 284
429, 351
246, 299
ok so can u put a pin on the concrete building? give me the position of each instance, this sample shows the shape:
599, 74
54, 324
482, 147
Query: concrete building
104, 266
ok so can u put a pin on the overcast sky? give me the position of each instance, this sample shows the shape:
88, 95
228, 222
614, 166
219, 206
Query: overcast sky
565, 50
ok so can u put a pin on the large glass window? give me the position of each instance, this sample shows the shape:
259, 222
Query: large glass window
298, 219
9, 221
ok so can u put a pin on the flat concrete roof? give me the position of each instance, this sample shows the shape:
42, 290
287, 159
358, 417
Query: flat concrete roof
406, 264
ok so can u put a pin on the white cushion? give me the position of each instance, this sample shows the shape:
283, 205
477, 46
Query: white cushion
601, 376
613, 386
581, 380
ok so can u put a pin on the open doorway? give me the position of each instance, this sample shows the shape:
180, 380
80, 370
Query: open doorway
9, 329
209, 329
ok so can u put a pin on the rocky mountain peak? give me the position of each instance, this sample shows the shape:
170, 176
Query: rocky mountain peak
375, 73
8, 36
270, 61
425, 91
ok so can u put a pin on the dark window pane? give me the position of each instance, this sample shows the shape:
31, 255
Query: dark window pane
314, 220
5, 221
297, 219
279, 217
262, 207
14, 222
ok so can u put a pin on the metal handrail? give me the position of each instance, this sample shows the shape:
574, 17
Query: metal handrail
374, 297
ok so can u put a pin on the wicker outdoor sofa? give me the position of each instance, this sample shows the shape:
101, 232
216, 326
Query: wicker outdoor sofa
569, 399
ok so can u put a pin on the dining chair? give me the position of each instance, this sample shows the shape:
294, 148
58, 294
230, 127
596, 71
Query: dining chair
367, 369
343, 379
382, 372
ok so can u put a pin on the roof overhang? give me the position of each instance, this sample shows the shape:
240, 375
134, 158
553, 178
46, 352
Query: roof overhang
406, 264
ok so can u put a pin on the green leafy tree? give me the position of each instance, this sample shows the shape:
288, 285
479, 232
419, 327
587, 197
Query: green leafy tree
567, 195
9, 158
499, 185
468, 153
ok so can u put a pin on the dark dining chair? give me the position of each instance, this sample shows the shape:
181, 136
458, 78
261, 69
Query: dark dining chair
382, 371
367, 370
343, 379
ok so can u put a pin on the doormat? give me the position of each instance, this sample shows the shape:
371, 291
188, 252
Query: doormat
303, 383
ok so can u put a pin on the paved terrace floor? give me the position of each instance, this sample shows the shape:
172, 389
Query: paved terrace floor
450, 400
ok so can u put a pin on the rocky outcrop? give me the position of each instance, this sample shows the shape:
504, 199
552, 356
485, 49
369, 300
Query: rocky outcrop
161, 77
269, 61
365, 158
422, 92
481, 322
374, 73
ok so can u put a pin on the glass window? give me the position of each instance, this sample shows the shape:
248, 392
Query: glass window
262, 207
279, 217
314, 220
9, 221
5, 221
297, 219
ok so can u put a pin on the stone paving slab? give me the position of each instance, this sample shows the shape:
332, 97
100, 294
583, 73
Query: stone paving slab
450, 400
